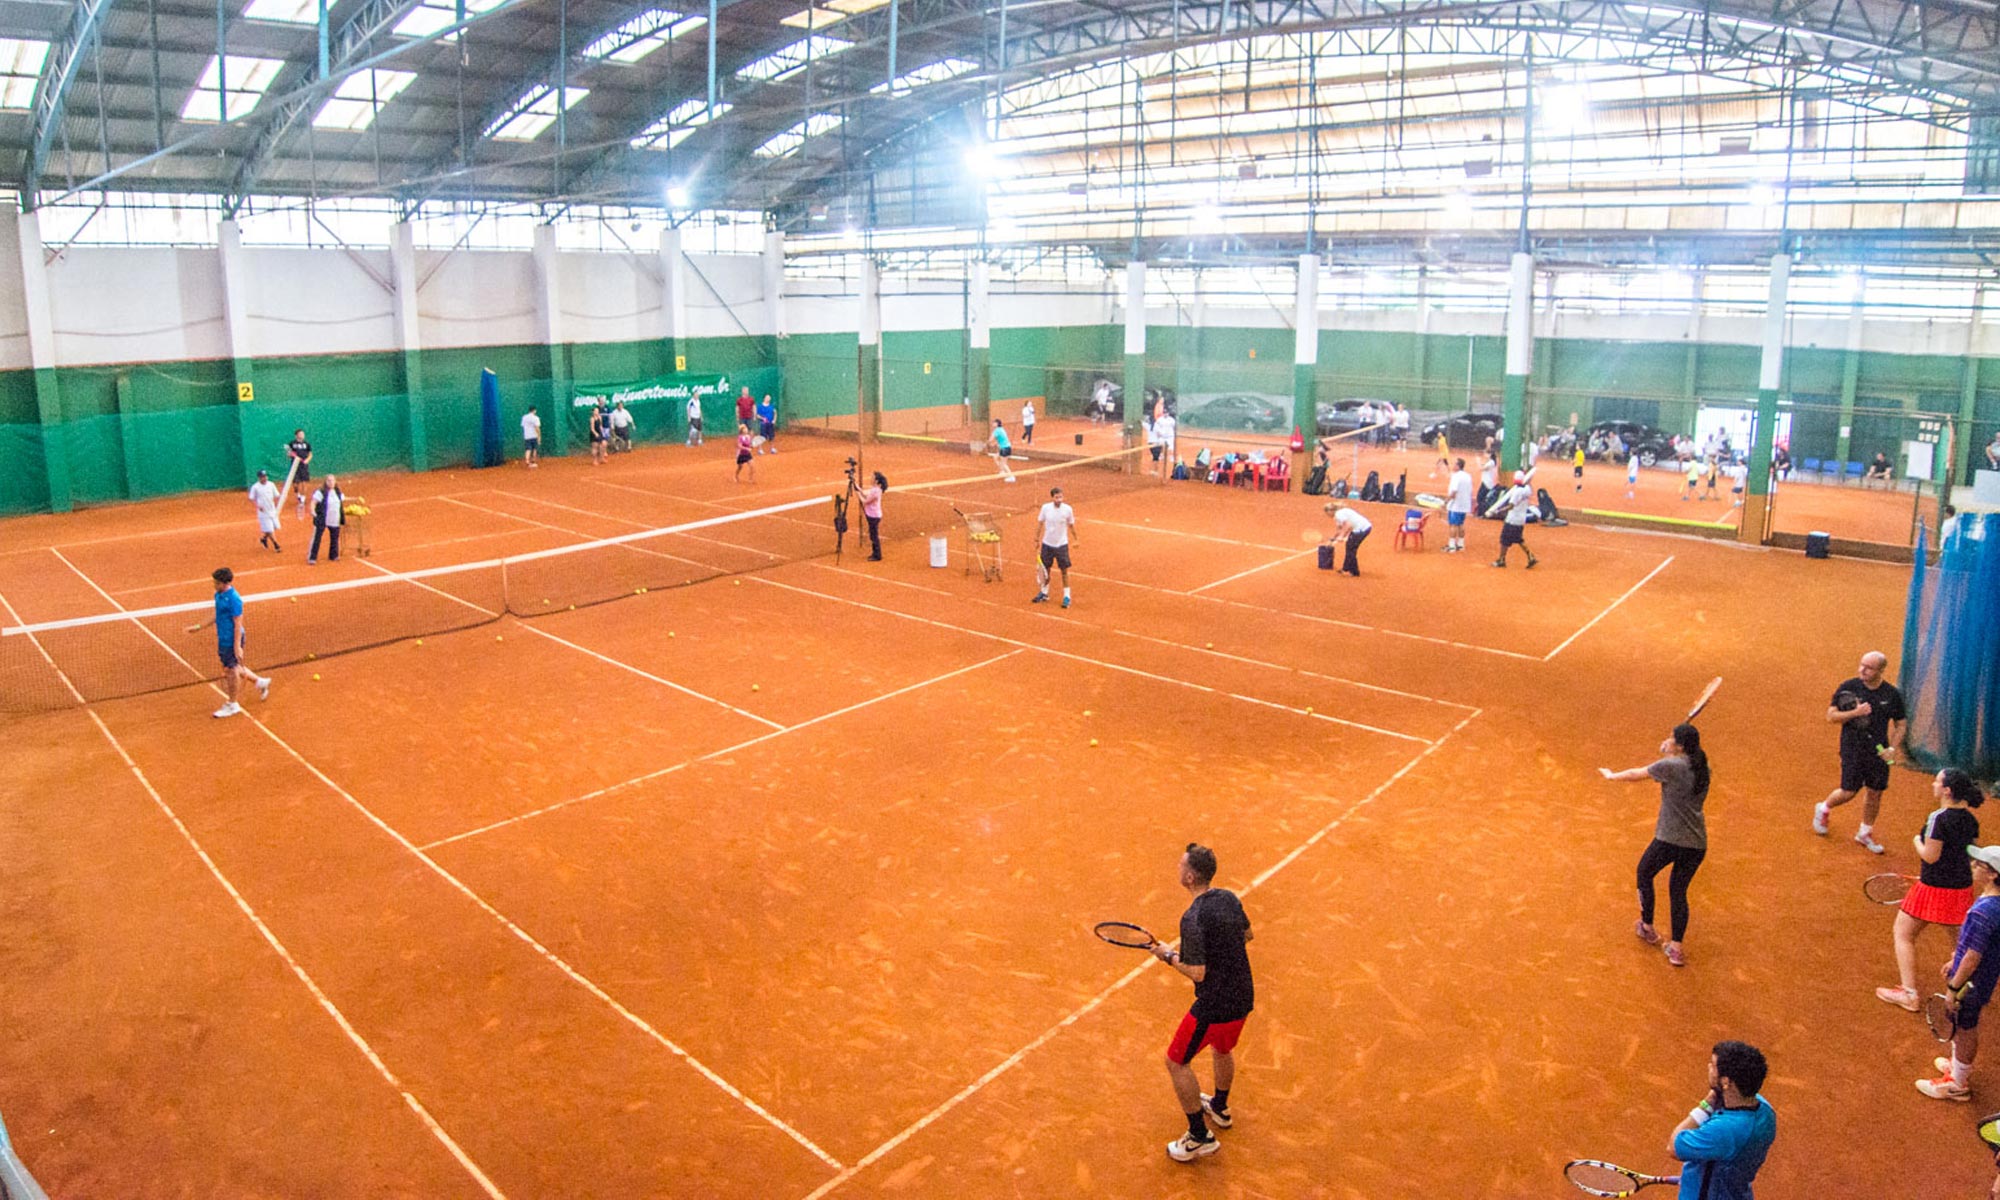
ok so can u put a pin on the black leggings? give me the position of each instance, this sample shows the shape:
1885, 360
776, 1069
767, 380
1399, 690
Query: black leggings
1351, 561
1685, 862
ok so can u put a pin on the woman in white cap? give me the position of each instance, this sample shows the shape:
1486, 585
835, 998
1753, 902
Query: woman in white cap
1969, 978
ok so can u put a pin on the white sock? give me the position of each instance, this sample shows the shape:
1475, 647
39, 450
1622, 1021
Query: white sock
1065, 593
1961, 1072
1863, 832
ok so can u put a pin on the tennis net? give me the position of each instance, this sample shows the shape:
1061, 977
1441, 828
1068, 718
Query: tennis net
105, 656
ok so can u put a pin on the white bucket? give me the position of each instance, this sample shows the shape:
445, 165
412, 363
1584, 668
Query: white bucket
939, 552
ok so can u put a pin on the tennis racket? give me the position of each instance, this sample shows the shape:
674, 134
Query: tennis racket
1941, 1017
1426, 500
1989, 1131
1707, 694
285, 493
1610, 1179
1887, 889
1124, 933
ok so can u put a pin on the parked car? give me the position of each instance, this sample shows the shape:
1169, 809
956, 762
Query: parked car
1467, 430
1340, 416
1236, 412
1650, 444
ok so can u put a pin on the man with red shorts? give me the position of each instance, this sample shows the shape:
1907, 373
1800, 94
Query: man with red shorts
1214, 933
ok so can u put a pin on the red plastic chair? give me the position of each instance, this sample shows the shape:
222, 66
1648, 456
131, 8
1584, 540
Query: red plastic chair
1276, 476
1412, 529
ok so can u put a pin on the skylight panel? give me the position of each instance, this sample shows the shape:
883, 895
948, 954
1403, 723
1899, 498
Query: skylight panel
247, 80
937, 72
359, 97
783, 64
291, 12
642, 35
791, 139
830, 13
431, 16
20, 66
679, 124
533, 113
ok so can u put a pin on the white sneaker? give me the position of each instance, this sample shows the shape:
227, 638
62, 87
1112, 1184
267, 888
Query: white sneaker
1186, 1149
229, 710
1941, 1088
1867, 842
1820, 818
264, 688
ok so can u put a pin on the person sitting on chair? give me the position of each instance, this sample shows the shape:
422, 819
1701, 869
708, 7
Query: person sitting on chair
1878, 468
1993, 453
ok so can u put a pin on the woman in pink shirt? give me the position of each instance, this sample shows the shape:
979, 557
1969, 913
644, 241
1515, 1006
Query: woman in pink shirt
743, 453
871, 507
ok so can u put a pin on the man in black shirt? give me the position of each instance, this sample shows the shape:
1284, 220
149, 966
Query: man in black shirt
1870, 714
1214, 932
300, 451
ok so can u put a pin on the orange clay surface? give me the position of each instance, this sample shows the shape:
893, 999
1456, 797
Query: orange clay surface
780, 884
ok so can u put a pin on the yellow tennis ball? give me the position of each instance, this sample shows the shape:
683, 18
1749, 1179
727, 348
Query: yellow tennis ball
670, 633
293, 599
1211, 645
1093, 741
498, 638
1086, 712
315, 679
420, 641
755, 688
1309, 711
310, 656
737, 582
544, 601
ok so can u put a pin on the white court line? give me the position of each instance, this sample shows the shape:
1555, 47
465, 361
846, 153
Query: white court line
1097, 662
1629, 592
1095, 1002
554, 959
681, 766
1276, 562
584, 539
181, 530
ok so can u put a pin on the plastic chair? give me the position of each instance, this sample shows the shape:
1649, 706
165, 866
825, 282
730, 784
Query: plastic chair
1811, 466
1276, 476
1854, 470
1412, 528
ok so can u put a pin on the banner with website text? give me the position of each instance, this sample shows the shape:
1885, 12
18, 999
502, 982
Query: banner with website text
659, 405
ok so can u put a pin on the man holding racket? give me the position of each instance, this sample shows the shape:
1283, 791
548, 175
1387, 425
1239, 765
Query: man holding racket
300, 451
1969, 979
1870, 713
1519, 501
264, 499
1457, 506
1214, 934
1057, 523
1724, 1139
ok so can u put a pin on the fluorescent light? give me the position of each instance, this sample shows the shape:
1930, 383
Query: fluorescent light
1207, 218
1763, 196
677, 195
791, 139
291, 12
679, 124
20, 69
431, 16
247, 79
1851, 285
783, 64
642, 35
532, 113
1458, 208
359, 97
937, 72
981, 160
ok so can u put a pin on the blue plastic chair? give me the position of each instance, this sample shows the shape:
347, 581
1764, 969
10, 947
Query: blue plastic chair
1811, 466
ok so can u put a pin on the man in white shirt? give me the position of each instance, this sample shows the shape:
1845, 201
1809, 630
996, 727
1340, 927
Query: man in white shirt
1100, 402
1057, 525
1162, 438
621, 428
1364, 420
327, 520
531, 437
1457, 507
1399, 425
264, 499
1350, 529
1519, 501
1027, 422
694, 420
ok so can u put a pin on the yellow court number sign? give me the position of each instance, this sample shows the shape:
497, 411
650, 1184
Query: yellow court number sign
680, 362
245, 393
927, 368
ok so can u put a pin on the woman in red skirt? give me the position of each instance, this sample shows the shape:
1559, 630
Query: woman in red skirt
1944, 889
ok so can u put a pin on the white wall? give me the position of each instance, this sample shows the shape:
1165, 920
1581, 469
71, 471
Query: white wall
476, 298
315, 302
137, 305
13, 308
726, 296
608, 297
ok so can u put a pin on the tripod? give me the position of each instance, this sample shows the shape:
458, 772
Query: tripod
841, 500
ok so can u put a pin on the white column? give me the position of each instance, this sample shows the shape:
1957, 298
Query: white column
774, 281
1521, 316
235, 290
673, 293
1135, 308
871, 304
1305, 352
979, 329
1772, 370
403, 275
549, 324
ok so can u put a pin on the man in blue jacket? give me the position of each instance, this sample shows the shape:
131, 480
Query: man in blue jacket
1724, 1139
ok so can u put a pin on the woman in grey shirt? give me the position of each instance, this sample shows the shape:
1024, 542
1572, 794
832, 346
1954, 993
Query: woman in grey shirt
1680, 837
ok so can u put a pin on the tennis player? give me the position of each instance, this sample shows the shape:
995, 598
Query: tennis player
743, 453
1444, 456
1631, 474
1944, 888
694, 420
1350, 529
600, 431
1163, 439
1457, 507
1003, 449
1215, 934
621, 428
264, 499
1576, 465
1969, 978
1519, 501
871, 510
229, 635
531, 437
1028, 422
300, 451
767, 425
1057, 525
1680, 835
1724, 1139
1869, 733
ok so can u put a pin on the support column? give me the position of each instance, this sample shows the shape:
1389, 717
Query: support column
42, 358
1850, 373
409, 338
1420, 357
1691, 372
673, 299
1520, 359
1135, 353
774, 288
979, 350
1755, 525
868, 375
128, 430
236, 326
549, 322
1964, 447
1305, 348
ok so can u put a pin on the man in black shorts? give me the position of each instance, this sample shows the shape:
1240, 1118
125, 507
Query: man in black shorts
1057, 523
1870, 713
1214, 933
301, 451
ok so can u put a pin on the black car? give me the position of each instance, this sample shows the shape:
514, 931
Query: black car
1466, 430
1650, 444
1236, 412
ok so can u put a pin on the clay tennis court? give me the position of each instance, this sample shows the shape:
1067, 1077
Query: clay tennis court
779, 883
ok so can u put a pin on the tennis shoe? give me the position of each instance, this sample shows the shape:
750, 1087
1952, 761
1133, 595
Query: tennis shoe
264, 688
1187, 1148
1941, 1088
1676, 955
1040, 598
1867, 842
1065, 602
1902, 998
1820, 818
229, 710
1220, 1119
1532, 560
1646, 933
1500, 562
